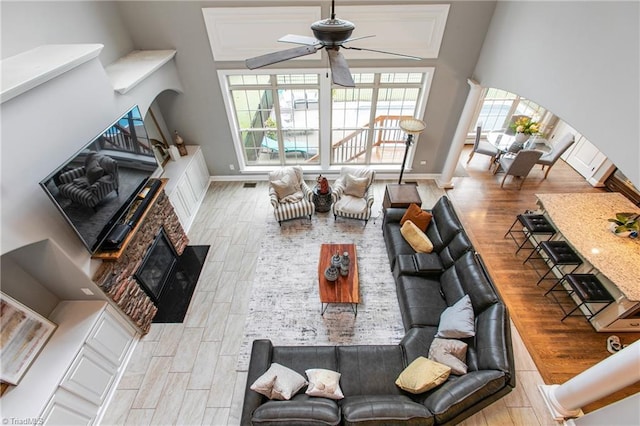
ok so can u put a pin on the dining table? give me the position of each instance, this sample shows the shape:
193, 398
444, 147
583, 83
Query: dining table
506, 142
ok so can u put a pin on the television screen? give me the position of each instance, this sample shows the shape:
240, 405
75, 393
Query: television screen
94, 189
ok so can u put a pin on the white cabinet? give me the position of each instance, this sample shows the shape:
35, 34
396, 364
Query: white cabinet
74, 376
188, 183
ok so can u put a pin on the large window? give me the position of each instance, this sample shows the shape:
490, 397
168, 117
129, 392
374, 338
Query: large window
499, 105
300, 118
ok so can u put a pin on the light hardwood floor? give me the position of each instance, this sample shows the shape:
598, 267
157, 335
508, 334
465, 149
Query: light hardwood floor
185, 373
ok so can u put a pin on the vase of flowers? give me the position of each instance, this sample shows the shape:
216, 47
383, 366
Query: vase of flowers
524, 127
625, 224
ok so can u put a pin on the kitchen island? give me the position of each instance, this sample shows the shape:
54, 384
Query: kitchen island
582, 220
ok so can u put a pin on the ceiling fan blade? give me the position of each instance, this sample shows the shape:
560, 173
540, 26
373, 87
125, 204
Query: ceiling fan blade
417, 58
340, 73
358, 38
283, 55
299, 39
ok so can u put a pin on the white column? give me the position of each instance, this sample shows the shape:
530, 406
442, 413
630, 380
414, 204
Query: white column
606, 377
444, 181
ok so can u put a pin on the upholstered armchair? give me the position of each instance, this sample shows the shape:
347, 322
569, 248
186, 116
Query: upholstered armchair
90, 184
290, 196
352, 194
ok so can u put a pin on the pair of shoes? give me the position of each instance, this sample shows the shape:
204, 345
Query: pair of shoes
613, 344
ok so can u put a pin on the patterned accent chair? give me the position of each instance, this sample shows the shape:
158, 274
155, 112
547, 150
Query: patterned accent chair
290, 196
90, 184
352, 195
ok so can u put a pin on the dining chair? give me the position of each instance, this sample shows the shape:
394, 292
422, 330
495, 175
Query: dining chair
519, 165
549, 159
483, 147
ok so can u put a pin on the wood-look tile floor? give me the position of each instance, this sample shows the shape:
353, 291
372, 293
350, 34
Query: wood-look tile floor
185, 373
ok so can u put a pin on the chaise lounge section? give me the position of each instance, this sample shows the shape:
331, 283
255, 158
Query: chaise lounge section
427, 284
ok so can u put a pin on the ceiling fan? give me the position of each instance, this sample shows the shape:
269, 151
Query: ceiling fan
331, 34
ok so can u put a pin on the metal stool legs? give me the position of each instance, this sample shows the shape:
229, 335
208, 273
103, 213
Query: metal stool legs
556, 255
530, 225
585, 290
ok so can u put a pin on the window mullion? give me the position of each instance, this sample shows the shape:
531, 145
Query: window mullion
372, 117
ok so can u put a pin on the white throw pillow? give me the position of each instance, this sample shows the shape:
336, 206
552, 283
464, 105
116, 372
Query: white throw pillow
450, 352
457, 321
324, 383
284, 187
355, 186
279, 382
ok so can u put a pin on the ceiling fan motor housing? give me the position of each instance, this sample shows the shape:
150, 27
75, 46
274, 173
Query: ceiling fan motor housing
331, 32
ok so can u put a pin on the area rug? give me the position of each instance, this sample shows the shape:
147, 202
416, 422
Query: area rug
285, 305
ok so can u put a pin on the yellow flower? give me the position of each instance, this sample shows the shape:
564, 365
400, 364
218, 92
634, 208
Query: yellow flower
520, 129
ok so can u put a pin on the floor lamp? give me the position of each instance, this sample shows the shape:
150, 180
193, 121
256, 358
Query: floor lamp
412, 127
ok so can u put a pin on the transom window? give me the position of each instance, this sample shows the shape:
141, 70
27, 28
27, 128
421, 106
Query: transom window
301, 118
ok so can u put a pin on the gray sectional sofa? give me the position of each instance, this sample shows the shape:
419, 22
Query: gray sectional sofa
426, 285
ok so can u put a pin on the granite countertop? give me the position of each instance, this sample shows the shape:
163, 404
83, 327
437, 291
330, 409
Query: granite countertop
582, 220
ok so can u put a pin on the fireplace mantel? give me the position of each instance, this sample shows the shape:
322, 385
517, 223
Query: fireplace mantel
113, 256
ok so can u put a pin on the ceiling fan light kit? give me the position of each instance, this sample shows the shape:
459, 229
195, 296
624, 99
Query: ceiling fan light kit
329, 33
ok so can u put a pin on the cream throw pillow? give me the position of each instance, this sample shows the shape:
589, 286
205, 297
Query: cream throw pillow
422, 374
450, 352
279, 382
324, 383
284, 187
417, 239
355, 186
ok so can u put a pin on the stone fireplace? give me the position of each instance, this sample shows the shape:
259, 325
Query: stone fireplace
117, 278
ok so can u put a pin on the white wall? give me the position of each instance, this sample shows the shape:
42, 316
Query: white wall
579, 59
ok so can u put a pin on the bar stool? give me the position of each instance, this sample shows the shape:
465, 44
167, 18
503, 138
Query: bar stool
556, 255
530, 224
588, 289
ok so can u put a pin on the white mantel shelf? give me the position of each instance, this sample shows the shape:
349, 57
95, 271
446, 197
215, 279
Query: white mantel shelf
130, 70
29, 69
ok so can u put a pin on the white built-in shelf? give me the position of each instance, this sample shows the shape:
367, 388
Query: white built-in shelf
29, 69
130, 70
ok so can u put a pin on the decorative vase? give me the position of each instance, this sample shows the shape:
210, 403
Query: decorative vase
344, 264
336, 260
613, 226
180, 143
331, 273
521, 137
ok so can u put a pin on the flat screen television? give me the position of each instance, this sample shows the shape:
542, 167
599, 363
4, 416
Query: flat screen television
94, 189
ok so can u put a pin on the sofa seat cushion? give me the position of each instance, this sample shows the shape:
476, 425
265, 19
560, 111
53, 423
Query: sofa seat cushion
459, 393
384, 410
301, 410
421, 302
395, 242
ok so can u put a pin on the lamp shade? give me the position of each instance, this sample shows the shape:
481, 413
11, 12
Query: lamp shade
412, 126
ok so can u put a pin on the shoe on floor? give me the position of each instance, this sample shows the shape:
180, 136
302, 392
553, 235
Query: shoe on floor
613, 344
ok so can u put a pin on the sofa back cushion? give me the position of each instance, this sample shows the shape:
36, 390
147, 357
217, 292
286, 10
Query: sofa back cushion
370, 369
466, 276
445, 220
458, 246
301, 358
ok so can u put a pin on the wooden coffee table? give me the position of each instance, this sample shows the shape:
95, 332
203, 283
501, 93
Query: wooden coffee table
344, 289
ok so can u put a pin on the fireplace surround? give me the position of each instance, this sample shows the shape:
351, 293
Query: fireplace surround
157, 266
117, 277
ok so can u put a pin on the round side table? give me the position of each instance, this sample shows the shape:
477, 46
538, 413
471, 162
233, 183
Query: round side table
321, 201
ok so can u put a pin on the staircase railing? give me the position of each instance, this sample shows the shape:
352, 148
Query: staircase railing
354, 146
119, 138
